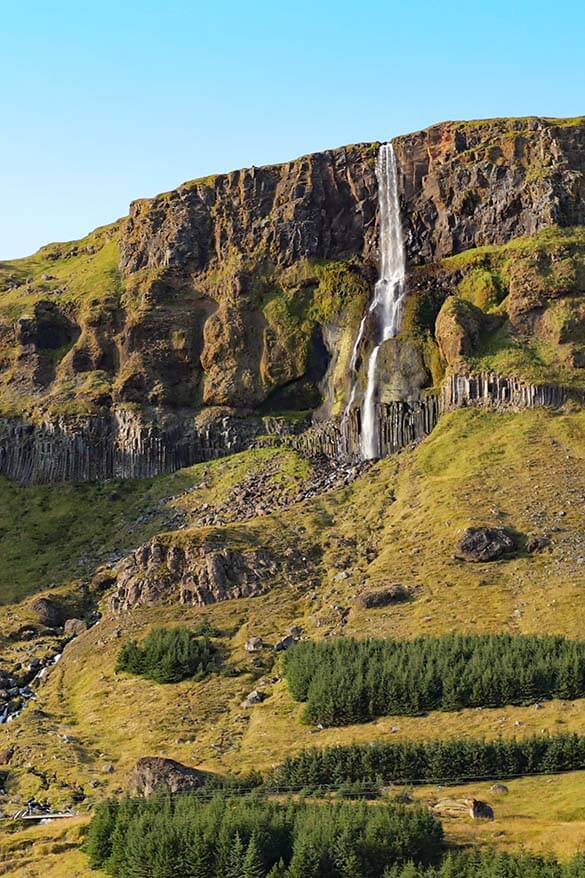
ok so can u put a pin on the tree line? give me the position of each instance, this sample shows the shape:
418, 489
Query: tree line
492, 864
408, 762
344, 680
251, 837
169, 655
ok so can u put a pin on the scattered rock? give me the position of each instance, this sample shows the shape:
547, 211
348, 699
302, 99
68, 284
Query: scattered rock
499, 788
254, 644
537, 544
254, 697
485, 544
108, 768
6, 755
285, 643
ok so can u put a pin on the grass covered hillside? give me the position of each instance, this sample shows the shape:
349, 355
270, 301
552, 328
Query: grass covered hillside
398, 523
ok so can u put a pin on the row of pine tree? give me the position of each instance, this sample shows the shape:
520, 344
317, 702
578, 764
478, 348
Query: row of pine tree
222, 837
250, 837
344, 680
450, 761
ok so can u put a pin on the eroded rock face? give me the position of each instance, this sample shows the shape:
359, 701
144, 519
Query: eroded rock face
244, 291
42, 337
321, 206
191, 574
467, 184
154, 774
485, 544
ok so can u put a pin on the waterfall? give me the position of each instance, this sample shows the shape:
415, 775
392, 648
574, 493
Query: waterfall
389, 294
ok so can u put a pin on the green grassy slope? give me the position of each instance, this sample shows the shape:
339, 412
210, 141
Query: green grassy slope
398, 523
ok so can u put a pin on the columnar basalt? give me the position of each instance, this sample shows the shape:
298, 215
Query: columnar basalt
123, 444
130, 444
489, 390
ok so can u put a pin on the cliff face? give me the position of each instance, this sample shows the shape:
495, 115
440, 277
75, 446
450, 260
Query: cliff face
244, 291
463, 185
321, 206
470, 184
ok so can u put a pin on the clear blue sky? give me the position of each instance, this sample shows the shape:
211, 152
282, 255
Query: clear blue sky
108, 101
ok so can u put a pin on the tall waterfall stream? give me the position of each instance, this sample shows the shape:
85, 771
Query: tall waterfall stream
388, 300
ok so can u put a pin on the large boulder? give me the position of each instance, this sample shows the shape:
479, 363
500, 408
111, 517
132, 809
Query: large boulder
458, 329
455, 807
74, 627
480, 810
485, 544
49, 611
155, 774
382, 597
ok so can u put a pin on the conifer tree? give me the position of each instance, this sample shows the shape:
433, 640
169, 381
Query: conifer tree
279, 870
252, 865
235, 864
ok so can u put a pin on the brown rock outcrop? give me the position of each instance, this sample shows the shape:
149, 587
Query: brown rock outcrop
458, 329
191, 574
74, 627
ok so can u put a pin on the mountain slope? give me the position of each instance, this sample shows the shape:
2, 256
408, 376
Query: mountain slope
202, 344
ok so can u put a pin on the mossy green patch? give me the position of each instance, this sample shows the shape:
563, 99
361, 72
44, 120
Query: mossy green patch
483, 288
66, 273
533, 284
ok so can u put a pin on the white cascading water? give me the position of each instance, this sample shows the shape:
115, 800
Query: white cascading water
389, 295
